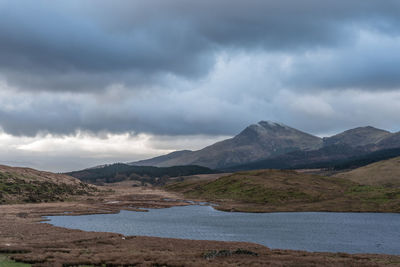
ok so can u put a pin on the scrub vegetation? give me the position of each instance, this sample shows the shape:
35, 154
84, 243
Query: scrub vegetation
22, 185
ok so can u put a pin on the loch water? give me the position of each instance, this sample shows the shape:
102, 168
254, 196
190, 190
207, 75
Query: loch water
310, 231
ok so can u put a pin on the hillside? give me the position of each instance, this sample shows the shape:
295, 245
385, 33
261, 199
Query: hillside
143, 174
19, 185
390, 142
334, 157
275, 190
360, 136
324, 157
161, 159
382, 173
258, 141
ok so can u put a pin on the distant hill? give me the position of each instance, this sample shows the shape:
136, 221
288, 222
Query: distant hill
145, 174
382, 173
19, 185
258, 141
360, 136
284, 190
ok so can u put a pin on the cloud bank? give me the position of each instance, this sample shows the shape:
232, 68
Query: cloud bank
205, 68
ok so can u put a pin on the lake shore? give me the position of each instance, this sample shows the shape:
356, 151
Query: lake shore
26, 239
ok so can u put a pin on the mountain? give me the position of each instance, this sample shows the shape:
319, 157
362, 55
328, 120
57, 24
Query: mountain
258, 141
275, 145
19, 185
145, 174
382, 173
360, 136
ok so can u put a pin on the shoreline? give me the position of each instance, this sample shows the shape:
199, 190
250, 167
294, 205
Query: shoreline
22, 230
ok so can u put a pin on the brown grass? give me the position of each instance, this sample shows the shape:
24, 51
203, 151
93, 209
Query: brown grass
382, 173
277, 190
18, 185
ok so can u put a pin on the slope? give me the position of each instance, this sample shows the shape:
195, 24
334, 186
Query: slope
360, 136
145, 174
275, 190
19, 185
382, 173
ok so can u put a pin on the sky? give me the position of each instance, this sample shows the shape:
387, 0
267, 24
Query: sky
88, 82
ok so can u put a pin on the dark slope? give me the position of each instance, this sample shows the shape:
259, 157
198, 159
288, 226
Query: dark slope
391, 141
336, 157
147, 174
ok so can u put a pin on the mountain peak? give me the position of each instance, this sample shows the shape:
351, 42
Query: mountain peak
270, 124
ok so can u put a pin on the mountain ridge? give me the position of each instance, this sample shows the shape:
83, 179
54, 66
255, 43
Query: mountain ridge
267, 140
256, 141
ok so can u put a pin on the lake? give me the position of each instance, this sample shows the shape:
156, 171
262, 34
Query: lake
310, 231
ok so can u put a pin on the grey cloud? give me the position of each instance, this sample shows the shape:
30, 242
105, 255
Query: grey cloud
67, 57
87, 45
370, 64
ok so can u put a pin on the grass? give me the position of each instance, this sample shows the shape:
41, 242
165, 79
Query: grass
5, 261
289, 190
383, 173
373, 194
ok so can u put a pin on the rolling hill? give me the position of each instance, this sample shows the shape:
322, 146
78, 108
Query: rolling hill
383, 173
284, 190
18, 185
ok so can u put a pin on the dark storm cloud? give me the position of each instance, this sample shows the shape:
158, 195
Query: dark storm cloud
82, 45
196, 67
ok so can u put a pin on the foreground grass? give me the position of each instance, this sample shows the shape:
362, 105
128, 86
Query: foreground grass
282, 190
6, 262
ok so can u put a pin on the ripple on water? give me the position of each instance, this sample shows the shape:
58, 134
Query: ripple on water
311, 231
